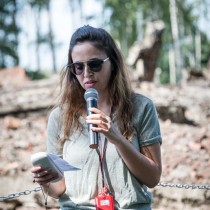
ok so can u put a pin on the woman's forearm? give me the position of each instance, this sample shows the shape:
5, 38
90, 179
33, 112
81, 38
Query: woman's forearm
54, 189
145, 166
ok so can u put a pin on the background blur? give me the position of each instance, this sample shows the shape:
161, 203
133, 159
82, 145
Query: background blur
35, 34
166, 45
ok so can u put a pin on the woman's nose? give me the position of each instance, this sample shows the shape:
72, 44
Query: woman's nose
87, 70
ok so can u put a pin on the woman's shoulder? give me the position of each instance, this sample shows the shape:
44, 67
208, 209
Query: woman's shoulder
56, 110
141, 100
55, 113
142, 106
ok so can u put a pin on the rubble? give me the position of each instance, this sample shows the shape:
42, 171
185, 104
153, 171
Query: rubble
184, 113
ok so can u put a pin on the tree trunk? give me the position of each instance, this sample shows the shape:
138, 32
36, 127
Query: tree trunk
175, 36
37, 23
14, 17
147, 51
198, 50
51, 38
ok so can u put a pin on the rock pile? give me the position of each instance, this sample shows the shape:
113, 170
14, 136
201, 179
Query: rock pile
184, 113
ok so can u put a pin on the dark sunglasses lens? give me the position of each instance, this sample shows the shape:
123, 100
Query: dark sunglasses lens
77, 68
95, 65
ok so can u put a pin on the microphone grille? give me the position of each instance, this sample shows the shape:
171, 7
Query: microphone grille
91, 93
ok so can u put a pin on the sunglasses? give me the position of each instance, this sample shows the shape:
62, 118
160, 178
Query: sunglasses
94, 65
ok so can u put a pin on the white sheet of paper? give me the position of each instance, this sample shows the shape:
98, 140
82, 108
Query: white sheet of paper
62, 164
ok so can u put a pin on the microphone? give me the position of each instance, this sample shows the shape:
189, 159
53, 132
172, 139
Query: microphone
91, 97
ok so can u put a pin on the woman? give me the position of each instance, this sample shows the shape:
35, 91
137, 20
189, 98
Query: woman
127, 124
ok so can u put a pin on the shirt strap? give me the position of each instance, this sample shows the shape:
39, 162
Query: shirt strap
101, 155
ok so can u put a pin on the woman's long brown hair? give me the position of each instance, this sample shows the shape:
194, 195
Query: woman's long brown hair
72, 102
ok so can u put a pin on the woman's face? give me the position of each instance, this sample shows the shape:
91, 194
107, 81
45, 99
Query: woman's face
86, 51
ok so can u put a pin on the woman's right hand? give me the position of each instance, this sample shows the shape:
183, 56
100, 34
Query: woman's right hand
43, 176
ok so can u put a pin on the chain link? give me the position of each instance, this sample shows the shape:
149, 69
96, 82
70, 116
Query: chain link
18, 194
162, 184
185, 186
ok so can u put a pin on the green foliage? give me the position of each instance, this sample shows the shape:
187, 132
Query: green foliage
39, 4
37, 75
9, 31
205, 54
163, 64
123, 25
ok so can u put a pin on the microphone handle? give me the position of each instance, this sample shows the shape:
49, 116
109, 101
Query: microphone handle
93, 136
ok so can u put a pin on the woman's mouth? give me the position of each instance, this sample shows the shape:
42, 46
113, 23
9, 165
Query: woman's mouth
90, 84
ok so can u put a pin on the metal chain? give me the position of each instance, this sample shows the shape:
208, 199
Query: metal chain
162, 184
18, 194
185, 186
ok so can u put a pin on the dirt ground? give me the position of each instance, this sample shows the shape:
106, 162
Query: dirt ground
185, 151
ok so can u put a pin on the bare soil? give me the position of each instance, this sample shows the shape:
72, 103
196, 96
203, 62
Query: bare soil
184, 113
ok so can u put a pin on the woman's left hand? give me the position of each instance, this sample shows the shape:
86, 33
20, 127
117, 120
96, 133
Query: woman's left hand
103, 125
